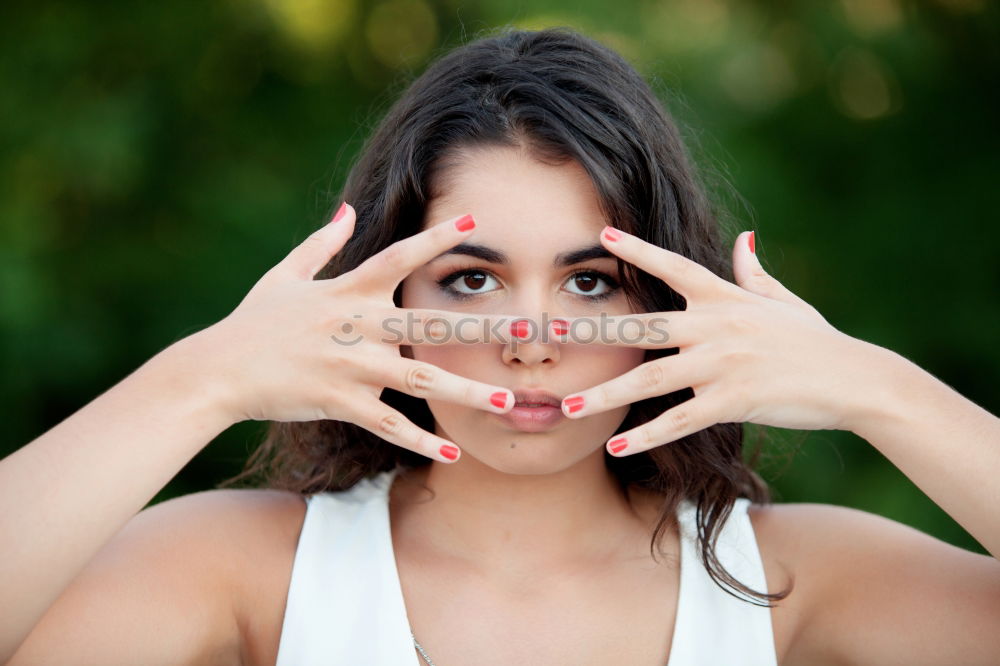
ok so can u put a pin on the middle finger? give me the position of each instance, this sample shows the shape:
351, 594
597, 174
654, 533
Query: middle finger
426, 380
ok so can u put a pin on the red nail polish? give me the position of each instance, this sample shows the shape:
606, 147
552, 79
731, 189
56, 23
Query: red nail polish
612, 234
574, 404
560, 326
617, 445
499, 399
340, 212
519, 329
750, 240
448, 451
465, 223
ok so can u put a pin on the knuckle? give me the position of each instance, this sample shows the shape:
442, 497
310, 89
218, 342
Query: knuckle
337, 362
683, 268
605, 396
394, 254
651, 375
470, 393
389, 424
419, 378
331, 398
679, 419
737, 395
741, 324
737, 354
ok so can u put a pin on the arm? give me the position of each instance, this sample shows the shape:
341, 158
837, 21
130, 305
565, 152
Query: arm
946, 444
870, 590
69, 491
200, 579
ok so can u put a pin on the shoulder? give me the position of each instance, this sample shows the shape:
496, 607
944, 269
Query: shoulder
245, 540
201, 578
868, 588
220, 516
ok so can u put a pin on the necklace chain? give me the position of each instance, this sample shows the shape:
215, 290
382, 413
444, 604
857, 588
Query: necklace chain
421, 650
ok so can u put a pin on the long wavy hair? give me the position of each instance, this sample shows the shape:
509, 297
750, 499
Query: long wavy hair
560, 96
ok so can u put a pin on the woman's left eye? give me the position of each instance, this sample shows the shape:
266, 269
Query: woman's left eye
467, 283
587, 281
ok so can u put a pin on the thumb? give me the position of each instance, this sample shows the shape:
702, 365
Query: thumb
312, 254
750, 274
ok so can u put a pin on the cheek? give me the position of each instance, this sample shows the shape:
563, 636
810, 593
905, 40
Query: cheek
456, 358
596, 364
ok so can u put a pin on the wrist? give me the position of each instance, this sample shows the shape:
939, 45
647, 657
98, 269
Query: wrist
883, 383
189, 369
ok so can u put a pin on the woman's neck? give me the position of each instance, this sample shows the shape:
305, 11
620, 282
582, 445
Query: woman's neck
520, 526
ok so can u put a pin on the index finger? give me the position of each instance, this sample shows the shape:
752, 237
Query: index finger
420, 326
388, 268
688, 278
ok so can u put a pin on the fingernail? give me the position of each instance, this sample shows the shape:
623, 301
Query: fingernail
750, 240
560, 326
519, 329
617, 445
448, 451
612, 234
573, 404
341, 212
465, 223
499, 399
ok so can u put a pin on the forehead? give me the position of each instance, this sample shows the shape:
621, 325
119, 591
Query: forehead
518, 200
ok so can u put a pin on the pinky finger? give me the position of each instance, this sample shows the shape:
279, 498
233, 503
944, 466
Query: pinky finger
689, 417
389, 424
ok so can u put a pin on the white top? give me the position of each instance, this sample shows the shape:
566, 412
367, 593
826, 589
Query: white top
345, 602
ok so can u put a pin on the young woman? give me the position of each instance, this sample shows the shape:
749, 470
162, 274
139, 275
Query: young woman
507, 386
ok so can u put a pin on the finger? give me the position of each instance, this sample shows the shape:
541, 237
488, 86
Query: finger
426, 380
381, 419
689, 417
418, 326
312, 254
654, 330
750, 274
387, 268
688, 278
657, 377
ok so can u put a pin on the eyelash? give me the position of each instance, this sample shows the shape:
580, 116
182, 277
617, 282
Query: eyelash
443, 283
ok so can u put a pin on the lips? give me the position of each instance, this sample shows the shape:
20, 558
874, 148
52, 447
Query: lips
535, 398
535, 410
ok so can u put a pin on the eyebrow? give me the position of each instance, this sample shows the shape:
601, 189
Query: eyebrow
497, 257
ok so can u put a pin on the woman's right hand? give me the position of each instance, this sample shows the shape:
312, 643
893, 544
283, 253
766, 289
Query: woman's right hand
300, 349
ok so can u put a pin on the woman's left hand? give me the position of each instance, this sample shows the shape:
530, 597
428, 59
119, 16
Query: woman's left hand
752, 352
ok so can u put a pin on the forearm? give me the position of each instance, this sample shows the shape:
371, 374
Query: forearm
946, 444
65, 494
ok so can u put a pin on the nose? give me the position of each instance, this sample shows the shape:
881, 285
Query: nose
533, 341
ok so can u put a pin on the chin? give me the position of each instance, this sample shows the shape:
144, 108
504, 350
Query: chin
531, 455
513, 451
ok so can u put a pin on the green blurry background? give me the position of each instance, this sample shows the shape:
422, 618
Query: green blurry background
157, 158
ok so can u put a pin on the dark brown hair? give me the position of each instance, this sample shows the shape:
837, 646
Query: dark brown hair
560, 96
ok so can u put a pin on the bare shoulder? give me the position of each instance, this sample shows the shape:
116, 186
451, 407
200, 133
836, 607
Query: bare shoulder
870, 589
200, 578
251, 535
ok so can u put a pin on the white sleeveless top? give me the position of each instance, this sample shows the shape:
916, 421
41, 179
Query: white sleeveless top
345, 602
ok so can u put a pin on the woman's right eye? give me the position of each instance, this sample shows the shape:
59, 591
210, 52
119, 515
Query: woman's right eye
465, 283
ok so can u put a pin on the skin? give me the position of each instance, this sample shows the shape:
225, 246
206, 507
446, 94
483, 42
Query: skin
203, 578
505, 474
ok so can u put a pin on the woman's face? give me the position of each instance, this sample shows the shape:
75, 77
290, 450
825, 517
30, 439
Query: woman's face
530, 215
